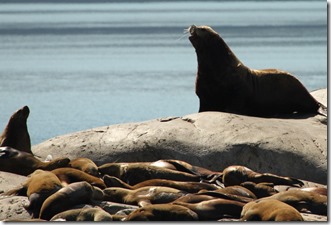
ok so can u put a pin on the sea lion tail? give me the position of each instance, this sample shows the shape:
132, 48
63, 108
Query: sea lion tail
322, 110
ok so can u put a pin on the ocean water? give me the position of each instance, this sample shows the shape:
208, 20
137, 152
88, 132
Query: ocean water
80, 65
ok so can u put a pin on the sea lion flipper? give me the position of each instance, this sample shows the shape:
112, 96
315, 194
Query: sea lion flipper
144, 202
322, 110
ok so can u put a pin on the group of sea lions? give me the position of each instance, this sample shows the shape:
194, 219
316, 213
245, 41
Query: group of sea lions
66, 189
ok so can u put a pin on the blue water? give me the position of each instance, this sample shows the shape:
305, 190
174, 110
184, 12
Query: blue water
84, 65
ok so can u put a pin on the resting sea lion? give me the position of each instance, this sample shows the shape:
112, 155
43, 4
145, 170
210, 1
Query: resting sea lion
86, 165
235, 175
70, 175
261, 189
83, 214
67, 197
22, 163
142, 196
303, 200
225, 84
39, 186
187, 186
162, 212
16, 133
136, 173
269, 210
214, 209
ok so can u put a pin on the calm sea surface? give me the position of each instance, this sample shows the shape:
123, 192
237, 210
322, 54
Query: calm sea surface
84, 65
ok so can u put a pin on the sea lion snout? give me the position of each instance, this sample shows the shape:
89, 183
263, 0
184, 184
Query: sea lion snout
192, 29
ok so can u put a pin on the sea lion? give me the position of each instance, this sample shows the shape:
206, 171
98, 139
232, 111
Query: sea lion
214, 209
142, 196
23, 163
16, 134
187, 186
235, 175
269, 210
83, 214
39, 186
70, 175
261, 189
303, 201
162, 212
225, 84
136, 173
86, 165
67, 197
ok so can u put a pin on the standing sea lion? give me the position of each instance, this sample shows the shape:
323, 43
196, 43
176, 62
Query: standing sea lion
22, 163
16, 133
225, 84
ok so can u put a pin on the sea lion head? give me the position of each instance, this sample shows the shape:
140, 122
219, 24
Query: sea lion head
21, 115
202, 36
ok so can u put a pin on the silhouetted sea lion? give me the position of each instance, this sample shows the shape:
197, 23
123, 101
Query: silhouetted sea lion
225, 84
16, 133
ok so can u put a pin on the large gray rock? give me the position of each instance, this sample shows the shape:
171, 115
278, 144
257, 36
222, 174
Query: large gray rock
294, 147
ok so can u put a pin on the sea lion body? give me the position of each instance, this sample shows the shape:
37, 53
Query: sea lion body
162, 212
143, 196
86, 165
187, 186
16, 134
23, 163
71, 175
83, 214
269, 210
215, 208
39, 186
67, 197
136, 173
303, 200
225, 84
235, 175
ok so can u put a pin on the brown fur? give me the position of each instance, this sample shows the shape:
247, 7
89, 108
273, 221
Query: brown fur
67, 197
215, 208
235, 175
22, 163
16, 133
136, 173
83, 214
142, 196
71, 175
225, 84
269, 210
162, 212
190, 187
86, 165
303, 200
39, 185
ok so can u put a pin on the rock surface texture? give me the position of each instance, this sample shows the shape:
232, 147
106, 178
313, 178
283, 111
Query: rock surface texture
295, 146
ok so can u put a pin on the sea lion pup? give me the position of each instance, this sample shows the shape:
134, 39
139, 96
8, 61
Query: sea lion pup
214, 209
142, 196
235, 175
39, 186
162, 212
136, 173
67, 197
83, 214
70, 175
269, 210
16, 134
225, 84
86, 165
303, 201
187, 186
22, 163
